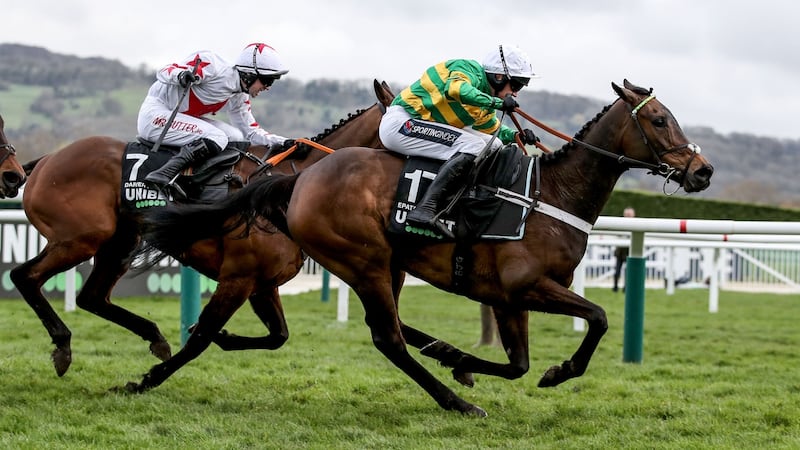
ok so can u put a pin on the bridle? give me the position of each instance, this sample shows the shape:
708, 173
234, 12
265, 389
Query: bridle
663, 169
659, 168
10, 151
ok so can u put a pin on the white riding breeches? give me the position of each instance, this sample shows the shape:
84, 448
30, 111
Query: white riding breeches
401, 133
153, 115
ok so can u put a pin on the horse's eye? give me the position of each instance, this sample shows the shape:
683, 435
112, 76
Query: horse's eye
660, 122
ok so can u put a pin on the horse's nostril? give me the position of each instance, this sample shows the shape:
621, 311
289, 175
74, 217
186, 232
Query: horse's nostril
12, 179
705, 172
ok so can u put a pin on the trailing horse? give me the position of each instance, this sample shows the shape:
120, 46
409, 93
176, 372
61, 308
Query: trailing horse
338, 211
12, 174
73, 198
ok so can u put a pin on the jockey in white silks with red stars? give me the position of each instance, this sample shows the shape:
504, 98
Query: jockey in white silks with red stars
215, 85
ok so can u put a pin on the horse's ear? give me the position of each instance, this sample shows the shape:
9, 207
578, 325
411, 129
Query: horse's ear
638, 89
387, 88
625, 94
382, 91
629, 85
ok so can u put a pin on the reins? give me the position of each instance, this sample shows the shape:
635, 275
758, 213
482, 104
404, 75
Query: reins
661, 168
275, 160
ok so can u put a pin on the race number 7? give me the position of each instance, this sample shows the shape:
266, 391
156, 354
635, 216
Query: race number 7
140, 159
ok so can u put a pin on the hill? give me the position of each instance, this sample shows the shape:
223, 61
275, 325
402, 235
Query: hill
49, 100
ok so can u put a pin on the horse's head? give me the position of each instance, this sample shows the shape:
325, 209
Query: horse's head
654, 137
12, 175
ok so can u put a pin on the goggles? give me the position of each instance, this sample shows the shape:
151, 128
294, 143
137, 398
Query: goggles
267, 80
517, 83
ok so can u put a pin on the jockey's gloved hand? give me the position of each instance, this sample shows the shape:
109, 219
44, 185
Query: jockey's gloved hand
287, 144
528, 137
509, 104
186, 78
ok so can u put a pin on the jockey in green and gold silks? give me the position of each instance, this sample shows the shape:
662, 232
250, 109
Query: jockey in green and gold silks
455, 92
449, 114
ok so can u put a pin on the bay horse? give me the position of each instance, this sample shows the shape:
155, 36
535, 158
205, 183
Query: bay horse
338, 211
73, 199
12, 174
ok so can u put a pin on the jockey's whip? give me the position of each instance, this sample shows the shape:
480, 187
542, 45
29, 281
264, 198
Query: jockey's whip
175, 111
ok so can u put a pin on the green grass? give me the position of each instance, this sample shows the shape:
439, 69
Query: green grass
717, 381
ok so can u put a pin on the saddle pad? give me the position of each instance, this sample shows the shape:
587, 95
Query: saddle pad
138, 161
492, 217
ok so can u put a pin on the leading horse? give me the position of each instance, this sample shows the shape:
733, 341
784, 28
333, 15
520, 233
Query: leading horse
338, 211
73, 199
12, 174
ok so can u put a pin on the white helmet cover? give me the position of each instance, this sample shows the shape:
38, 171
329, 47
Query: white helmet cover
508, 60
260, 59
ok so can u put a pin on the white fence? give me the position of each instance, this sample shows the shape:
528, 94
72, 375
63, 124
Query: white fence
768, 262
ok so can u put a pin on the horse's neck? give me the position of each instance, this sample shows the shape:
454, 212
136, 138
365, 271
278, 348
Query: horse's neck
581, 181
358, 131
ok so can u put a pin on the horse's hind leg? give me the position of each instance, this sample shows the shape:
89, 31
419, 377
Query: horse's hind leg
111, 262
228, 297
514, 334
267, 306
29, 277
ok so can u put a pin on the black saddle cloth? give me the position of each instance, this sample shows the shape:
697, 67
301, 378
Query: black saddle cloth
209, 181
478, 213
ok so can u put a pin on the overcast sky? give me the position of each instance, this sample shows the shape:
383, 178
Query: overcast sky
728, 64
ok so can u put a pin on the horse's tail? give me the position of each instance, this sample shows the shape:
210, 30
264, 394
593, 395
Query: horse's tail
28, 166
172, 230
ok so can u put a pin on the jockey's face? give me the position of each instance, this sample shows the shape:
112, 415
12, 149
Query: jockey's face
256, 88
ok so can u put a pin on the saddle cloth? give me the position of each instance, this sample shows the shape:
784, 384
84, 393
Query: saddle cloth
209, 182
479, 213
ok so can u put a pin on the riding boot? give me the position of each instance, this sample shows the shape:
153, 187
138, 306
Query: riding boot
165, 175
449, 178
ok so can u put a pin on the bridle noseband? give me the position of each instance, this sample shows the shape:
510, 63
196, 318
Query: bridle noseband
10, 151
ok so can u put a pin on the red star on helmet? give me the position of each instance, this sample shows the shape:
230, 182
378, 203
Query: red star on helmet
260, 46
200, 64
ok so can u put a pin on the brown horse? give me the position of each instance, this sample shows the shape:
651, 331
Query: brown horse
339, 208
73, 199
12, 175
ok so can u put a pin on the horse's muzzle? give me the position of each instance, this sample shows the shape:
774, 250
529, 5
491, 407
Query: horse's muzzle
699, 179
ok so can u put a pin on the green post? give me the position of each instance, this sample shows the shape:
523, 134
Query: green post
190, 301
326, 285
633, 340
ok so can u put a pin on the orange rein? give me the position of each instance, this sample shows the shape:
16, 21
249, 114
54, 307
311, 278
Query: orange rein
539, 124
275, 160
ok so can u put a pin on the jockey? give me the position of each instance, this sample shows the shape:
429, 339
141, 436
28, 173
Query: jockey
449, 114
213, 84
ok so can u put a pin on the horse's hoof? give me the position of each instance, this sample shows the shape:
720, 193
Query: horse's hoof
557, 375
161, 350
465, 378
62, 358
476, 411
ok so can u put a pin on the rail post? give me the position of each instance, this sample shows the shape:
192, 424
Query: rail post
190, 301
633, 340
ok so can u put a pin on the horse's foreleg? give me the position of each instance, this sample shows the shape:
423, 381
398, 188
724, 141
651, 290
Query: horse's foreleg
95, 297
381, 317
560, 300
29, 278
228, 297
267, 306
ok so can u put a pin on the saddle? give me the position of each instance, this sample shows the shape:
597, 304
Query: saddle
206, 182
493, 205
